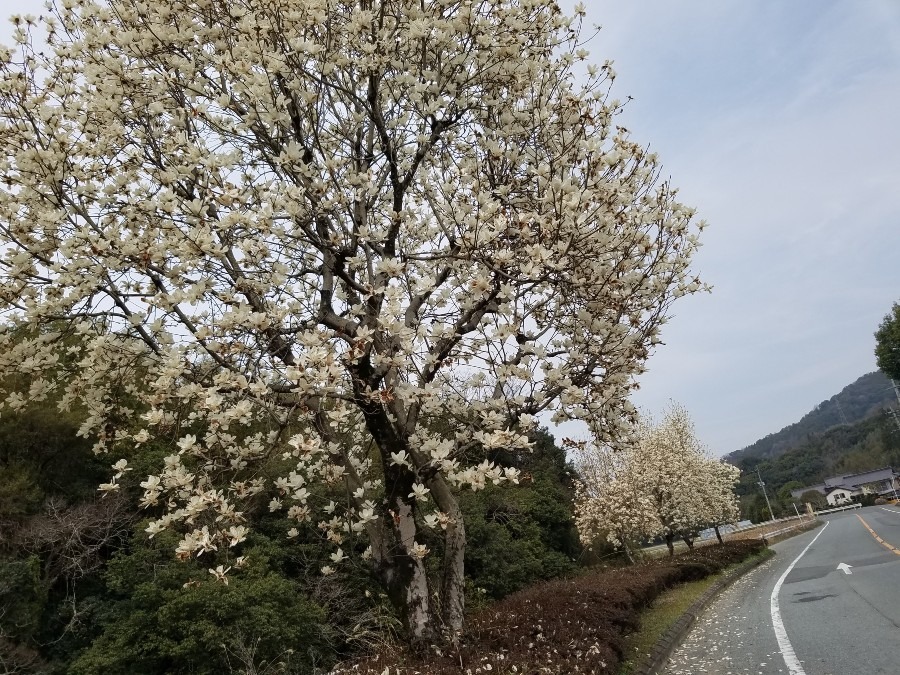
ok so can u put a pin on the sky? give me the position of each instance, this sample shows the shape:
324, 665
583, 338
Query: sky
779, 123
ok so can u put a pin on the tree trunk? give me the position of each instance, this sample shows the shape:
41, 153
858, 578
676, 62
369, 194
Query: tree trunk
453, 581
402, 575
718, 534
670, 545
394, 536
428, 616
689, 540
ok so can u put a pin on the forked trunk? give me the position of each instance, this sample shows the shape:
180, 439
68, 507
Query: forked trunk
428, 616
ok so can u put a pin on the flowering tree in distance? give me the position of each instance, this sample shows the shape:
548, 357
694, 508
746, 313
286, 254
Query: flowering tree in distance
610, 500
721, 503
661, 483
320, 228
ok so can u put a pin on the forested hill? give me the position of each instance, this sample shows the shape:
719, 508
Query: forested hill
870, 444
858, 401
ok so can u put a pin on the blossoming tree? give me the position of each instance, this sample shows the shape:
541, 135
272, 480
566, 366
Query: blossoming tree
313, 229
610, 500
671, 460
721, 503
661, 483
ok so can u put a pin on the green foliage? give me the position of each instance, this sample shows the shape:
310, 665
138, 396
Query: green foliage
887, 343
784, 492
22, 597
40, 446
521, 534
178, 619
814, 497
864, 499
19, 491
506, 549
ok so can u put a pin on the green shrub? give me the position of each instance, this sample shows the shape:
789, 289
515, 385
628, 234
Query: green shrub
22, 597
253, 624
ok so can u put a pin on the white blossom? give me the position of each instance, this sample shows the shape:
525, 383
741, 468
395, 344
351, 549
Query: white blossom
237, 534
400, 240
220, 573
419, 492
120, 468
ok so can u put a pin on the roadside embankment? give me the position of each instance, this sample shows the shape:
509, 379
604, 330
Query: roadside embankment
565, 626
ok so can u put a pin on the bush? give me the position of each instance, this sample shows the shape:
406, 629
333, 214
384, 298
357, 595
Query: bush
564, 626
160, 615
251, 624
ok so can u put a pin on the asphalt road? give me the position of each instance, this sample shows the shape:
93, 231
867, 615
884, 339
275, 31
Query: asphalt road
829, 622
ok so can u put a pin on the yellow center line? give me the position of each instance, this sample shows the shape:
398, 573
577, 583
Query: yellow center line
881, 541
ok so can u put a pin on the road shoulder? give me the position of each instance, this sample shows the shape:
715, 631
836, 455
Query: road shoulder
673, 636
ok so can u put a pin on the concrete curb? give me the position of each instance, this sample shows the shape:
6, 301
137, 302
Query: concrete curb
676, 632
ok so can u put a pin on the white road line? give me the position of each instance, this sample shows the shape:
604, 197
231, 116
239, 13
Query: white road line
884, 508
787, 651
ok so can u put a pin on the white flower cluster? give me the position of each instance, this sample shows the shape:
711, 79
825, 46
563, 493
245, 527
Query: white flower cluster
662, 483
379, 241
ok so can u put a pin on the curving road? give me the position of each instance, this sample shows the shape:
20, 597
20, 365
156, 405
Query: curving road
801, 614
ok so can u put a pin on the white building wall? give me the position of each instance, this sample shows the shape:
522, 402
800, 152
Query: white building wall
839, 496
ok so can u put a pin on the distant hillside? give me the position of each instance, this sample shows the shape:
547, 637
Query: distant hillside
870, 444
867, 396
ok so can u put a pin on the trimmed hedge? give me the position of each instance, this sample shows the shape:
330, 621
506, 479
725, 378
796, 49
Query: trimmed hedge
574, 625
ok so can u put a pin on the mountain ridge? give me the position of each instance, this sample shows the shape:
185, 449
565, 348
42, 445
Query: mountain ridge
859, 400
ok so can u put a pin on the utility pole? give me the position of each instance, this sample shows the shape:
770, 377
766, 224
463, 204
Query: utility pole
765, 494
890, 410
893, 413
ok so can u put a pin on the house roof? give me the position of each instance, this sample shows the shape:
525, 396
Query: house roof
849, 481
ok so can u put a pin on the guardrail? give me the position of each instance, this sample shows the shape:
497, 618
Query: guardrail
839, 508
775, 533
790, 519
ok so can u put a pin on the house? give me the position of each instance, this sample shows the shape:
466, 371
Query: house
841, 495
845, 486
